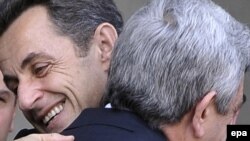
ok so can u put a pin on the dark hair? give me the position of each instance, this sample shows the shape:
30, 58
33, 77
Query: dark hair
77, 19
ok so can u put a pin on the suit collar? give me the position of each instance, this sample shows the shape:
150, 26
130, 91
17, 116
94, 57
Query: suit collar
109, 117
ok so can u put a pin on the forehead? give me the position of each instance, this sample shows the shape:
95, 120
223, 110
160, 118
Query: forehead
25, 28
31, 32
25, 31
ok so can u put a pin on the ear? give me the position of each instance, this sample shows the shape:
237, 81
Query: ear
105, 37
201, 113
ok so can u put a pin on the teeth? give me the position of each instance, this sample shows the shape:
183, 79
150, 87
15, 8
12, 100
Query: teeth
53, 112
57, 110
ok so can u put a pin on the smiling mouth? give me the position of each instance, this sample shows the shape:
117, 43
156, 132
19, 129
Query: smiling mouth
52, 113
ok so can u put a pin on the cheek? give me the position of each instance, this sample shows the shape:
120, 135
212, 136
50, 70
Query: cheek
5, 122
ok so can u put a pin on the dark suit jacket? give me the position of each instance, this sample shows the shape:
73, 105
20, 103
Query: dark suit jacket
110, 125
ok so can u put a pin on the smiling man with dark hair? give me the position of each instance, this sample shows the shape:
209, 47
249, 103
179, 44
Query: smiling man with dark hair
55, 56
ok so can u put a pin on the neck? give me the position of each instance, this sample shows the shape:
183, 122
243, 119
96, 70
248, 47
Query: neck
181, 131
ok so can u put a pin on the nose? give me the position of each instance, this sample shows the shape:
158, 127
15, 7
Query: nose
28, 95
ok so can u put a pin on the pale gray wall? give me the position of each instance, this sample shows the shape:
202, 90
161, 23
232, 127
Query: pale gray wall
240, 9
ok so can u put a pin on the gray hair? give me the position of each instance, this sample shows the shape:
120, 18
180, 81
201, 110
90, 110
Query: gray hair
171, 54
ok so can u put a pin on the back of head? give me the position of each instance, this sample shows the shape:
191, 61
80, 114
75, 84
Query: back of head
171, 53
77, 19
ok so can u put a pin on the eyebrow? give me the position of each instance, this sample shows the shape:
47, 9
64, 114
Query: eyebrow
31, 57
8, 93
28, 59
3, 92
